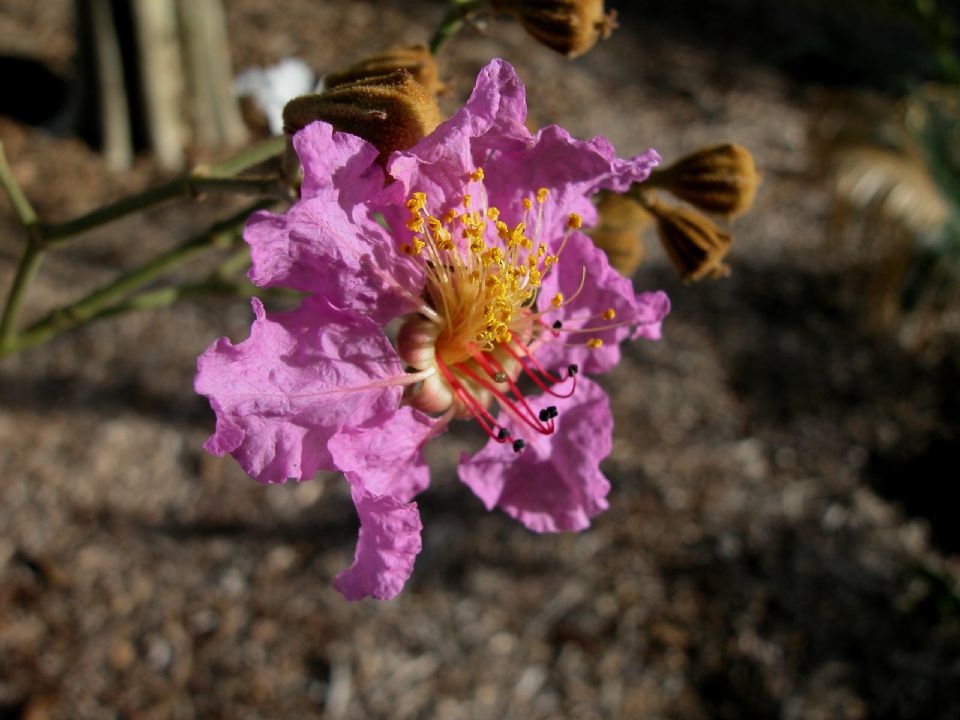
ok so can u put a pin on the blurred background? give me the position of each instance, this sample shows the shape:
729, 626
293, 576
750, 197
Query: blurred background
780, 541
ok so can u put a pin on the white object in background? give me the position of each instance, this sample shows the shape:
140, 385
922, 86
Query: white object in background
271, 88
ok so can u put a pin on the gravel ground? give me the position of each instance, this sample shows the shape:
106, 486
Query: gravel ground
778, 544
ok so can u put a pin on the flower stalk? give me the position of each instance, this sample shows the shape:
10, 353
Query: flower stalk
458, 15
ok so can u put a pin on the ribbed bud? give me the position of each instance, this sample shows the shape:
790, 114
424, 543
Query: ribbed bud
694, 244
721, 179
570, 27
618, 232
392, 112
415, 59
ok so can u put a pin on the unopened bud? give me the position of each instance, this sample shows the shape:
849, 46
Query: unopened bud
415, 59
721, 179
392, 112
622, 220
570, 27
694, 244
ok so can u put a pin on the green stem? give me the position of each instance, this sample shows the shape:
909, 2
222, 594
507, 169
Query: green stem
240, 260
22, 206
55, 233
457, 15
212, 177
166, 296
100, 301
32, 255
253, 155
26, 271
40, 237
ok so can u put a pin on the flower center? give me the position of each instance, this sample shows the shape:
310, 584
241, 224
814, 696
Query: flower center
482, 280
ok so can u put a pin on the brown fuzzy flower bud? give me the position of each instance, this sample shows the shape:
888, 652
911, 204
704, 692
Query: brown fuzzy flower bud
722, 179
618, 232
695, 246
391, 111
570, 27
415, 59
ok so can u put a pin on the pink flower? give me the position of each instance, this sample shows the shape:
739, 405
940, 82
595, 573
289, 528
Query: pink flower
494, 290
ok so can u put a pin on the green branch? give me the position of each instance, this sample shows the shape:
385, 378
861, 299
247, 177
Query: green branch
458, 15
22, 206
204, 178
100, 302
32, 255
218, 177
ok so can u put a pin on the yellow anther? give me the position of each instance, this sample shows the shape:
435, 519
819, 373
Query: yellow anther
574, 222
485, 286
417, 201
610, 314
442, 240
594, 343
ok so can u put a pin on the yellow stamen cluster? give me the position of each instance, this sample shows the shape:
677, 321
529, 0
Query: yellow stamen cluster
484, 287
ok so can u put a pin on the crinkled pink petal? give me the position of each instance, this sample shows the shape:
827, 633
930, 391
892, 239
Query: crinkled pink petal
300, 378
554, 484
388, 544
489, 132
492, 121
571, 170
329, 243
386, 456
603, 288
651, 308
337, 161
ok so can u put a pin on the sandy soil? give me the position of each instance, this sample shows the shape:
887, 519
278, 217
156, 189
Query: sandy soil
779, 542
